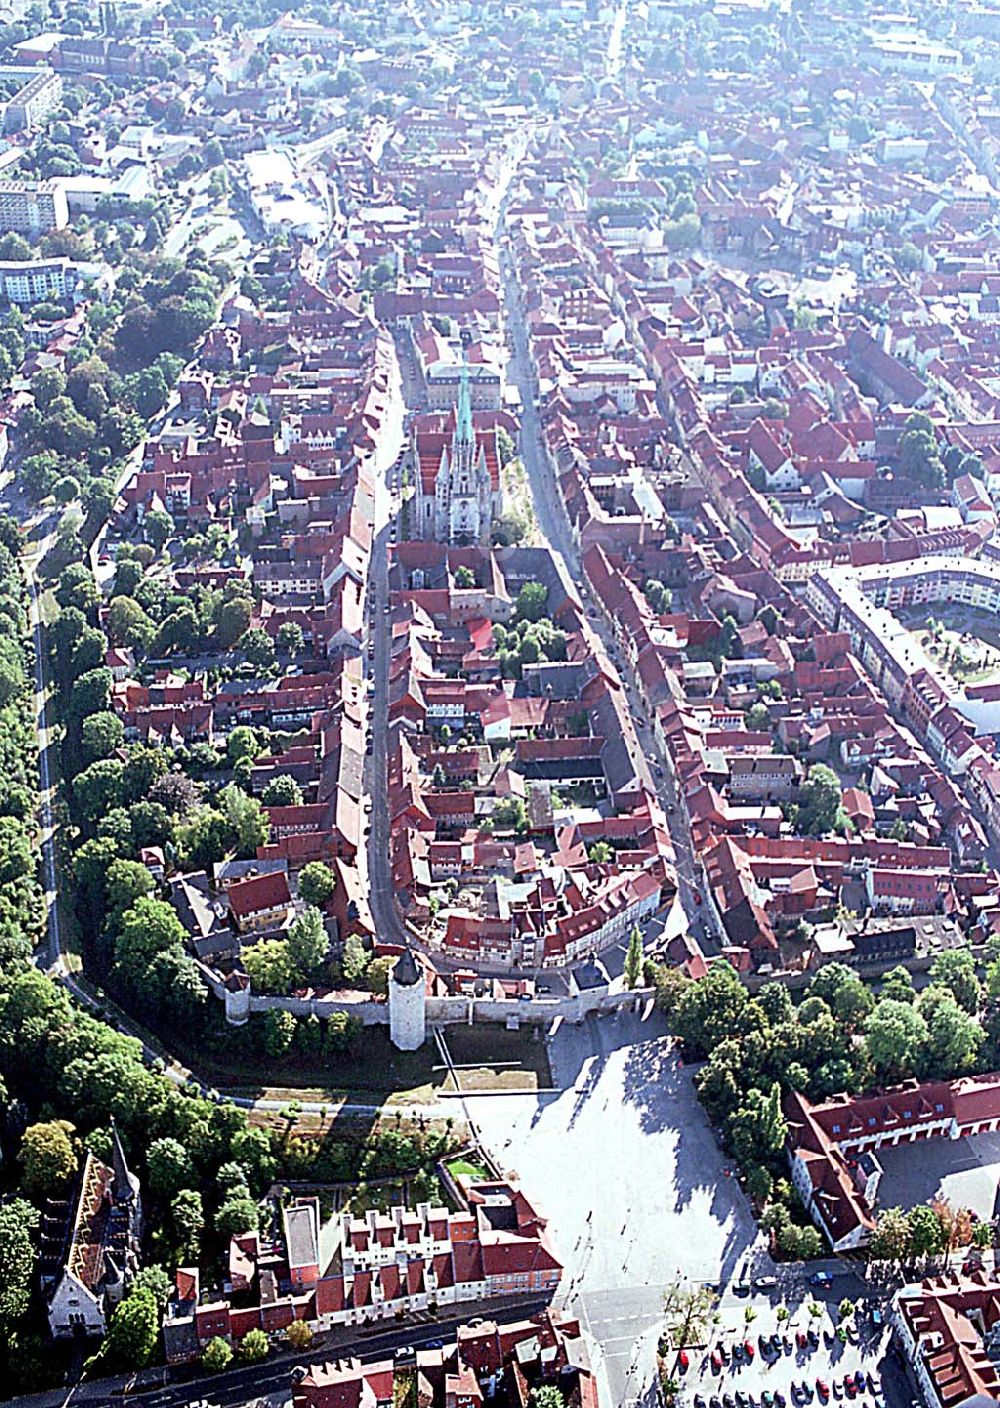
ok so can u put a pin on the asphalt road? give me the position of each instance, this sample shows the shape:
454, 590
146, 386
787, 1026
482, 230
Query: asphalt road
165, 1388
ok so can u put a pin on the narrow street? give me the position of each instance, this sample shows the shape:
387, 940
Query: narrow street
652, 762
377, 855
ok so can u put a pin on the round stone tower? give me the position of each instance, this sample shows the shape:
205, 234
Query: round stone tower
407, 1003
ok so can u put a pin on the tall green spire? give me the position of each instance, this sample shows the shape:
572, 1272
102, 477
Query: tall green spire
463, 415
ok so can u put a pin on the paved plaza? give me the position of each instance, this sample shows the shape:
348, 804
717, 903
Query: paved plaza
624, 1164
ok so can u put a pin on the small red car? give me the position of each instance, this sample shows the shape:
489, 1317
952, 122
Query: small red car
716, 1360
823, 1389
748, 1348
683, 1359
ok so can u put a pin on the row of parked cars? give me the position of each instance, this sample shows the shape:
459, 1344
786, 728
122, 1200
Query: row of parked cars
851, 1386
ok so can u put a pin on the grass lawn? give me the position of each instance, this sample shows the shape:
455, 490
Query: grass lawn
489, 1049
373, 1072
462, 1168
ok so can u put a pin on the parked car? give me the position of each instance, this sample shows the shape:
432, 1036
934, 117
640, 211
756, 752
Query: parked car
823, 1389
765, 1283
820, 1278
748, 1348
716, 1360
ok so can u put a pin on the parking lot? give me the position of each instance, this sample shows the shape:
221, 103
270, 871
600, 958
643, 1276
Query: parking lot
745, 1366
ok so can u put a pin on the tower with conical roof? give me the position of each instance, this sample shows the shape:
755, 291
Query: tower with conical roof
407, 1003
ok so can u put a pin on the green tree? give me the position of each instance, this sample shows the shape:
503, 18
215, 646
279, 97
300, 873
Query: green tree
282, 791
187, 1218
257, 648
98, 788
897, 985
926, 1233
128, 881
354, 960
758, 1130
237, 1214
242, 743
101, 735
48, 1157
307, 940
149, 928
157, 527
377, 976
955, 969
633, 958
299, 1335
169, 1167
317, 883
289, 638
254, 1347
154, 1280
18, 1224
245, 815
843, 992
217, 1355
546, 1396
953, 1038
279, 1033
819, 800
270, 965
232, 621
891, 1238
531, 600
134, 1329
688, 1313
895, 1033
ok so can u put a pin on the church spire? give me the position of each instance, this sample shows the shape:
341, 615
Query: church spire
463, 413
125, 1184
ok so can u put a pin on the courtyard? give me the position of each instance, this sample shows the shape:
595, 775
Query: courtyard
964, 1171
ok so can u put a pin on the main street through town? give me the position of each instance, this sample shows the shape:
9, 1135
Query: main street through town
652, 762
